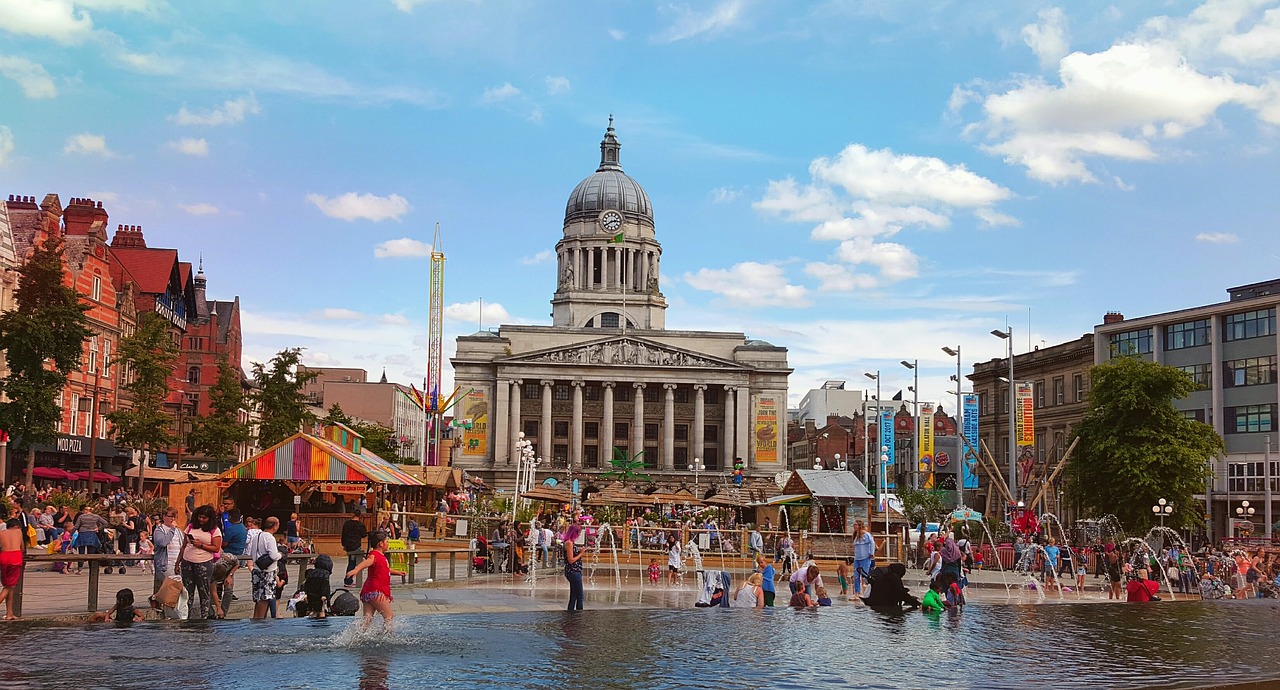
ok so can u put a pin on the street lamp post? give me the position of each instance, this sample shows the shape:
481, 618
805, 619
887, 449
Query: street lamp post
526, 469
1007, 336
1162, 509
959, 426
840, 464
914, 366
1244, 511
696, 467
879, 432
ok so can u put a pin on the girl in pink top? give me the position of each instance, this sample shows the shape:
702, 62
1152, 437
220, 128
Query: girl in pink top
376, 592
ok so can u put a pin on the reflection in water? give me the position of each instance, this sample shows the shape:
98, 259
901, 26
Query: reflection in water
374, 670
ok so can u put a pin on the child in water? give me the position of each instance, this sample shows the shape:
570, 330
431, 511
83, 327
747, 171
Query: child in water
655, 573
376, 593
123, 612
932, 602
823, 599
842, 573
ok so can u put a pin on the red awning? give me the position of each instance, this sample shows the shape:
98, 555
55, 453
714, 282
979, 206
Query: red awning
52, 473
97, 477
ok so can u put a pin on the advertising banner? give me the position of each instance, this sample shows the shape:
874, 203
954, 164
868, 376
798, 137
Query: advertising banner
970, 447
766, 430
1026, 420
886, 442
475, 441
926, 444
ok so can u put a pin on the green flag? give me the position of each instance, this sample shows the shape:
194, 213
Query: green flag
617, 239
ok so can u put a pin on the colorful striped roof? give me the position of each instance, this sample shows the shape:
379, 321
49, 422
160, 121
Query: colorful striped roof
303, 457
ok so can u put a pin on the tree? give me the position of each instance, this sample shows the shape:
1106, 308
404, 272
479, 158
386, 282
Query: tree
377, 439
279, 397
1136, 448
43, 340
218, 434
626, 468
922, 506
148, 355
336, 416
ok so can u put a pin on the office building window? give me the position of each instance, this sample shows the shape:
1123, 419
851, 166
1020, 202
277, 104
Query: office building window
591, 456
1249, 324
1059, 391
591, 430
651, 432
1040, 446
681, 395
1202, 374
712, 396
622, 394
560, 455
1131, 343
682, 432
609, 319
682, 458
1196, 415
710, 432
591, 392
1248, 419
1004, 397
621, 432
1248, 477
651, 394
531, 391
1253, 371
560, 391
650, 457
560, 429
1077, 384
1190, 334
986, 402
1039, 394
531, 428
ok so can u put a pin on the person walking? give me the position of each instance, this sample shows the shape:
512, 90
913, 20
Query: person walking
264, 553
168, 542
573, 567
864, 550
87, 526
13, 549
376, 592
203, 543
353, 534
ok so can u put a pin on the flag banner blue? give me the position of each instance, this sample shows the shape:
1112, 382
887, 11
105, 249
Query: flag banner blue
886, 442
970, 450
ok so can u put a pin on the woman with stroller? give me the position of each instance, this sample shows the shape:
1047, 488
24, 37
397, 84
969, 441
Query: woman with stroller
203, 543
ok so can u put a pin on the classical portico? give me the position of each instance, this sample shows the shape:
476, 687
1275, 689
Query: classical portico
607, 375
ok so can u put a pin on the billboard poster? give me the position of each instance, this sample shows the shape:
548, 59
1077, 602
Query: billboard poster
475, 441
766, 430
886, 442
1025, 424
926, 444
970, 447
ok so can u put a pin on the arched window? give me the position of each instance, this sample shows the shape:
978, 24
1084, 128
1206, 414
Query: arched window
193, 375
609, 320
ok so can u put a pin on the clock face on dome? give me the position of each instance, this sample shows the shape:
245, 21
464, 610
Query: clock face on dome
610, 221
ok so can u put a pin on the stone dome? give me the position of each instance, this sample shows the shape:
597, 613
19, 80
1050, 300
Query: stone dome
608, 188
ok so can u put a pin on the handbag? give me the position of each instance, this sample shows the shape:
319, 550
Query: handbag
264, 561
169, 592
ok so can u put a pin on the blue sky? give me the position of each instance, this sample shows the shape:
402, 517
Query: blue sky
861, 182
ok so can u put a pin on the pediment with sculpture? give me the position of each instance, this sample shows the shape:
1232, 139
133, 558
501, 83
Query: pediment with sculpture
624, 351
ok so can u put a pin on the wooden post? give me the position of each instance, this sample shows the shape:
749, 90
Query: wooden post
452, 574
93, 586
471, 559
410, 561
433, 565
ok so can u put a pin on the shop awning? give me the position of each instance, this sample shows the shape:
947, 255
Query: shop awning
546, 493
303, 457
787, 499
441, 477
161, 475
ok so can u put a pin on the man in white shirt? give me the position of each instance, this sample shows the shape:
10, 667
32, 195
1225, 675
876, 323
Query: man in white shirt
262, 546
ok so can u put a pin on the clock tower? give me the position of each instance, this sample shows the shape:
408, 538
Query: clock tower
609, 260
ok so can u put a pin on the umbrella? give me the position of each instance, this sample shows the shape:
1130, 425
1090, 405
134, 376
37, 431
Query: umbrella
97, 477
51, 473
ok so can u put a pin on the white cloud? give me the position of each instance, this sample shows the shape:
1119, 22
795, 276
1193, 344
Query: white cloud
394, 319
862, 197
689, 23
749, 284
1048, 39
617, 34
557, 85
58, 20
353, 206
32, 77
200, 209
725, 195
231, 112
1166, 80
403, 248
105, 197
6, 143
470, 312
339, 314
497, 94
88, 145
1218, 237
542, 257
189, 146
407, 6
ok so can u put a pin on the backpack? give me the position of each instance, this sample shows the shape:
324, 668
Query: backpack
414, 533
344, 603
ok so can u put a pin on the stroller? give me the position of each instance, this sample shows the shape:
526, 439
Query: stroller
109, 538
482, 562
313, 597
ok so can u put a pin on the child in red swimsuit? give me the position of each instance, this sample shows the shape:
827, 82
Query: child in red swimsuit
376, 592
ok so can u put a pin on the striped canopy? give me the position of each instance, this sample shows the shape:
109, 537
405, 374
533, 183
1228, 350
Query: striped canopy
303, 457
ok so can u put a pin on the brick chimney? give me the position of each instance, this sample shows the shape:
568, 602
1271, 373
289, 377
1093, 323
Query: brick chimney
1112, 317
80, 215
129, 237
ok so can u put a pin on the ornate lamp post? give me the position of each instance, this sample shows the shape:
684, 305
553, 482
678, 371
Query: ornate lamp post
696, 467
1162, 509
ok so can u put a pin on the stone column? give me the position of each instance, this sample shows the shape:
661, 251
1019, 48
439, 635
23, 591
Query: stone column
606, 431
501, 419
513, 433
575, 427
546, 440
699, 421
644, 270
637, 420
669, 426
745, 448
591, 268
729, 436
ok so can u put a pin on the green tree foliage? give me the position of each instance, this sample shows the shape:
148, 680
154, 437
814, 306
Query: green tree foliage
148, 357
43, 341
626, 468
336, 416
279, 397
377, 439
1135, 448
218, 434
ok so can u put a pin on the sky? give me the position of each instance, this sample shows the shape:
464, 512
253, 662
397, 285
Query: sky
861, 182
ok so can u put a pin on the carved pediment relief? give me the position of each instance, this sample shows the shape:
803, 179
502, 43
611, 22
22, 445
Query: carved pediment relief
625, 351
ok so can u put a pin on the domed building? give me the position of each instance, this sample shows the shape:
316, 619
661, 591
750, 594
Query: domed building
607, 375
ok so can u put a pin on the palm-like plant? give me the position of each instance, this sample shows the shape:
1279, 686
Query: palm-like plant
626, 468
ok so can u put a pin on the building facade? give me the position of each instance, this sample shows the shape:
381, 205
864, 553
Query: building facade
1229, 348
392, 405
832, 399
607, 374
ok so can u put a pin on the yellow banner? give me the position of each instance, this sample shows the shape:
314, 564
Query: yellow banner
1025, 424
475, 441
926, 443
766, 430
397, 561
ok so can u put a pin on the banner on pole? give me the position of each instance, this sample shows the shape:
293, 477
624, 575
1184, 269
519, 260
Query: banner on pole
766, 430
1026, 417
476, 408
926, 443
969, 449
886, 445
